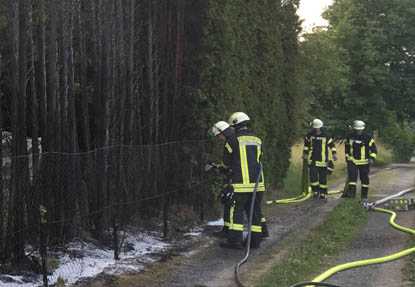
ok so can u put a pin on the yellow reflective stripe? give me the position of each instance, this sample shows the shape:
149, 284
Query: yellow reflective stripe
372, 141
321, 163
362, 153
314, 183
351, 148
323, 149
244, 164
249, 139
352, 183
373, 155
239, 187
227, 224
330, 141
323, 186
365, 185
247, 185
237, 227
228, 147
306, 148
360, 162
256, 228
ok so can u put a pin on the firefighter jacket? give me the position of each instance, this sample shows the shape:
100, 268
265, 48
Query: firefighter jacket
245, 150
319, 149
226, 166
360, 148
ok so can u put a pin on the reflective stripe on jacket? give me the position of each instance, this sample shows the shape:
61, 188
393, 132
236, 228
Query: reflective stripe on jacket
360, 148
247, 152
319, 148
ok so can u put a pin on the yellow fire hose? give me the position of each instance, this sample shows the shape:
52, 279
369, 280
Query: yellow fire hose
301, 198
317, 281
371, 261
307, 194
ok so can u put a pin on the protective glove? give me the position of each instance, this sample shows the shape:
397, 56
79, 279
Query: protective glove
227, 194
208, 167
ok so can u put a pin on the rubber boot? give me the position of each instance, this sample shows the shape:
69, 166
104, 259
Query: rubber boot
352, 191
255, 240
365, 192
265, 232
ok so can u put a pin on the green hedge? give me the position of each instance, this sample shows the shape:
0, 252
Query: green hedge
250, 64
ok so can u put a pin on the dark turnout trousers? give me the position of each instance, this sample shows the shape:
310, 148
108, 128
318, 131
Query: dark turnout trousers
240, 209
318, 179
362, 171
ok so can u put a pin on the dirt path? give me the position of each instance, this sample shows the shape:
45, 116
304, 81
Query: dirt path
211, 266
378, 238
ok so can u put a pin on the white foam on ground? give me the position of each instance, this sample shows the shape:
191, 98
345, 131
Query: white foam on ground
93, 261
218, 222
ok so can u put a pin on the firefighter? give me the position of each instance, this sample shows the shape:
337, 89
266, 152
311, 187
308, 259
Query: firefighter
319, 150
224, 132
239, 121
361, 152
245, 167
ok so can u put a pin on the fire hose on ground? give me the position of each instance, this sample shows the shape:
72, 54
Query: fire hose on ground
370, 261
317, 281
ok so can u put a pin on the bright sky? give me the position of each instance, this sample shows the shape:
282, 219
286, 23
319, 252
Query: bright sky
310, 11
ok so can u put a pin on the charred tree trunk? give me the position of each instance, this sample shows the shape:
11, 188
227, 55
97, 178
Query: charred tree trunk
33, 200
2, 207
53, 194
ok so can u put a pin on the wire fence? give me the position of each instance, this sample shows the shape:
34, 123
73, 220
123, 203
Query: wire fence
55, 204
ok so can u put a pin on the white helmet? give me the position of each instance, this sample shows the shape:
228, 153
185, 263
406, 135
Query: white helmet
317, 124
359, 125
219, 127
237, 118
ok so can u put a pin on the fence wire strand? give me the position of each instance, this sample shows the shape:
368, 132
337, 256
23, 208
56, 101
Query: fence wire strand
52, 199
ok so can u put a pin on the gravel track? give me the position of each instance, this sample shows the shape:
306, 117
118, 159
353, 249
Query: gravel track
208, 265
378, 238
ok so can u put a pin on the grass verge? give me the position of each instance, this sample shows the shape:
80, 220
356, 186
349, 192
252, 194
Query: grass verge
307, 258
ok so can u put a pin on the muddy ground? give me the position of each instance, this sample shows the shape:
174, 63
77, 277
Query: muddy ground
378, 238
208, 265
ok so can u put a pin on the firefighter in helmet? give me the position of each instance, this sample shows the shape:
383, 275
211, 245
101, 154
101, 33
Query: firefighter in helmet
361, 152
246, 161
319, 150
224, 132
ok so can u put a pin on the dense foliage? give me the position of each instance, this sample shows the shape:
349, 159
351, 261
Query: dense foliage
116, 98
251, 64
362, 66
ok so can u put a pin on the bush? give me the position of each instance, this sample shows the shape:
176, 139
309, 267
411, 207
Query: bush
401, 140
